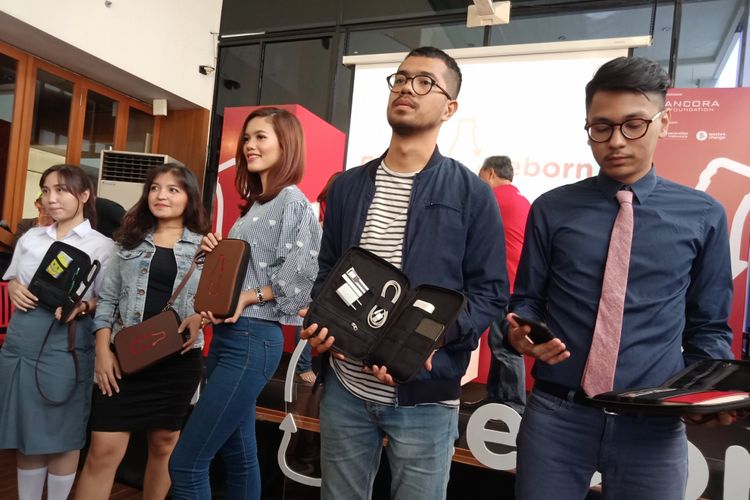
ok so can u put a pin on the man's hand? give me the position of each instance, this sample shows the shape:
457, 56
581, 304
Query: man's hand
319, 340
20, 296
551, 352
381, 373
715, 419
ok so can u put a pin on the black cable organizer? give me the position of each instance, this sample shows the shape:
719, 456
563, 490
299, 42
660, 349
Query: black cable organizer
368, 305
706, 387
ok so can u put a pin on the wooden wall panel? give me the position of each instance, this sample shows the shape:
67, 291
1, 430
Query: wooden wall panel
183, 134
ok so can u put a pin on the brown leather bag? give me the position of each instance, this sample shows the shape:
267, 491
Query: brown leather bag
145, 344
223, 275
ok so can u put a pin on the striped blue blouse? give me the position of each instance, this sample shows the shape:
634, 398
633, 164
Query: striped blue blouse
284, 237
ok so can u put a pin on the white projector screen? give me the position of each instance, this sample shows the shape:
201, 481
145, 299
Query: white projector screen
528, 107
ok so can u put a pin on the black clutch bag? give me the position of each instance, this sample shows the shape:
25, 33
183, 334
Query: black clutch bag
368, 306
706, 387
63, 277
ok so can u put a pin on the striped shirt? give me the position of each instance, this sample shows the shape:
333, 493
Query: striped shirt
284, 237
383, 235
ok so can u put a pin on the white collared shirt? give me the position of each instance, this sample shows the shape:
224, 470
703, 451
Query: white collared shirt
32, 246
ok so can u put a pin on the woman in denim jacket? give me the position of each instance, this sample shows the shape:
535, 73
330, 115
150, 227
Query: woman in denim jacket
157, 242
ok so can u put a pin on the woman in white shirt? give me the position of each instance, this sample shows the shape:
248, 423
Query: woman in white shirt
47, 435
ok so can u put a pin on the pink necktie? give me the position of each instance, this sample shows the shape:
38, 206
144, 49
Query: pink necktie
599, 374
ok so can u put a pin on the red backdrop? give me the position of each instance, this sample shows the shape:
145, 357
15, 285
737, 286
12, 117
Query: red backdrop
708, 148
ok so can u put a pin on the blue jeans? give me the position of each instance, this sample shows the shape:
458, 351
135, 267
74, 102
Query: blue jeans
304, 364
506, 379
242, 359
562, 443
419, 451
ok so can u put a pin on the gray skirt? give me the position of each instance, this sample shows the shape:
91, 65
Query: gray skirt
29, 423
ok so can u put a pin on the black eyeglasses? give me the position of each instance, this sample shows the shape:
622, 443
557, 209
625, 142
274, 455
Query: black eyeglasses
632, 129
420, 84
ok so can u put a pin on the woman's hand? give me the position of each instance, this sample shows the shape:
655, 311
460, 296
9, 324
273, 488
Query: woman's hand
193, 325
209, 242
21, 297
80, 309
107, 369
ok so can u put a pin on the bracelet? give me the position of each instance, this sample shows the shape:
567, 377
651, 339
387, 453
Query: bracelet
259, 294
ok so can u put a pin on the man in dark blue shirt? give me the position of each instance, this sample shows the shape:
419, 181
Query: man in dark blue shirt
677, 302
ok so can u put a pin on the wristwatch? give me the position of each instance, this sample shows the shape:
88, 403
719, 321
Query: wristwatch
259, 294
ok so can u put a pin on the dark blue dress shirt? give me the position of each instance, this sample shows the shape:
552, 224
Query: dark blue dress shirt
679, 289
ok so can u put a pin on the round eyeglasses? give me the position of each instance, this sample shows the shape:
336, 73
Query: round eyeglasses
420, 84
632, 129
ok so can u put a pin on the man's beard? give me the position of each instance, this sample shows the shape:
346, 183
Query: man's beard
406, 129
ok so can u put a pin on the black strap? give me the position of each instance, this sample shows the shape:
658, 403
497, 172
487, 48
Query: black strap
72, 350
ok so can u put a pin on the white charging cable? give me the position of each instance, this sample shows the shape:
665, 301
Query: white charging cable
378, 315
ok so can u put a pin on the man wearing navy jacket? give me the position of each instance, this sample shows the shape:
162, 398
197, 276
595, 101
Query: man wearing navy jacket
439, 223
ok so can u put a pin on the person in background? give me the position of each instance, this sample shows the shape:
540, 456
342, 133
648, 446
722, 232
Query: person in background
156, 246
279, 224
47, 437
506, 380
110, 215
304, 369
42, 219
632, 274
437, 221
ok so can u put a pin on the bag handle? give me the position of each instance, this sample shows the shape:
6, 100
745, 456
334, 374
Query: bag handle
198, 259
71, 350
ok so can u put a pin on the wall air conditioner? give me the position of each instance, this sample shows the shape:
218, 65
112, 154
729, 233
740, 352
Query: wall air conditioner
122, 174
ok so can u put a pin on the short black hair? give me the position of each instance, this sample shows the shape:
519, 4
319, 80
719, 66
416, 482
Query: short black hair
436, 53
501, 165
634, 74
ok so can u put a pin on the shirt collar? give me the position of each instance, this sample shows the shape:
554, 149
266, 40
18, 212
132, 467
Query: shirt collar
80, 230
641, 188
187, 235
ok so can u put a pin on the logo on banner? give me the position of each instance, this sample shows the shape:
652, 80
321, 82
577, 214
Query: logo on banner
691, 105
701, 135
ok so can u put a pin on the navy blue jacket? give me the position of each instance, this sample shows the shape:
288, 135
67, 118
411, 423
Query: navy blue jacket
454, 239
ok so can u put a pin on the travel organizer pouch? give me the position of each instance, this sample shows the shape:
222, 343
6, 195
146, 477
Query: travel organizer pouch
63, 277
139, 346
142, 345
223, 274
368, 306
706, 387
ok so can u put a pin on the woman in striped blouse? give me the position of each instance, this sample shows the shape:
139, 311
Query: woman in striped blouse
284, 235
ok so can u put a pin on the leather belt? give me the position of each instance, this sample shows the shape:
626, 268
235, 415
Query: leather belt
562, 392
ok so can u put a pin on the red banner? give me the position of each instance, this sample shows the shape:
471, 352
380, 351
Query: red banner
708, 148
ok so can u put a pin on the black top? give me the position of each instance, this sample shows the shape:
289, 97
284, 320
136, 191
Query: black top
161, 278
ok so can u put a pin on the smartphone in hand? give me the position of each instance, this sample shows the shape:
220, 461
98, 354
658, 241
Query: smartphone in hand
539, 333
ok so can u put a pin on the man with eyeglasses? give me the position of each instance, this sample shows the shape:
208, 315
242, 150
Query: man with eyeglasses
674, 302
438, 222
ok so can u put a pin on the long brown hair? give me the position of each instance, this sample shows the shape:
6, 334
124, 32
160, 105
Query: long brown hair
75, 181
291, 164
139, 220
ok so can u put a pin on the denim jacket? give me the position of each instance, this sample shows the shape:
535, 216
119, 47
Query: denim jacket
122, 297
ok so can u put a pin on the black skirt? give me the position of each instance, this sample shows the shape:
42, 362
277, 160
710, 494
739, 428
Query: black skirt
155, 398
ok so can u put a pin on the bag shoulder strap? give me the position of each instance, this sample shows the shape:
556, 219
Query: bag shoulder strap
198, 259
